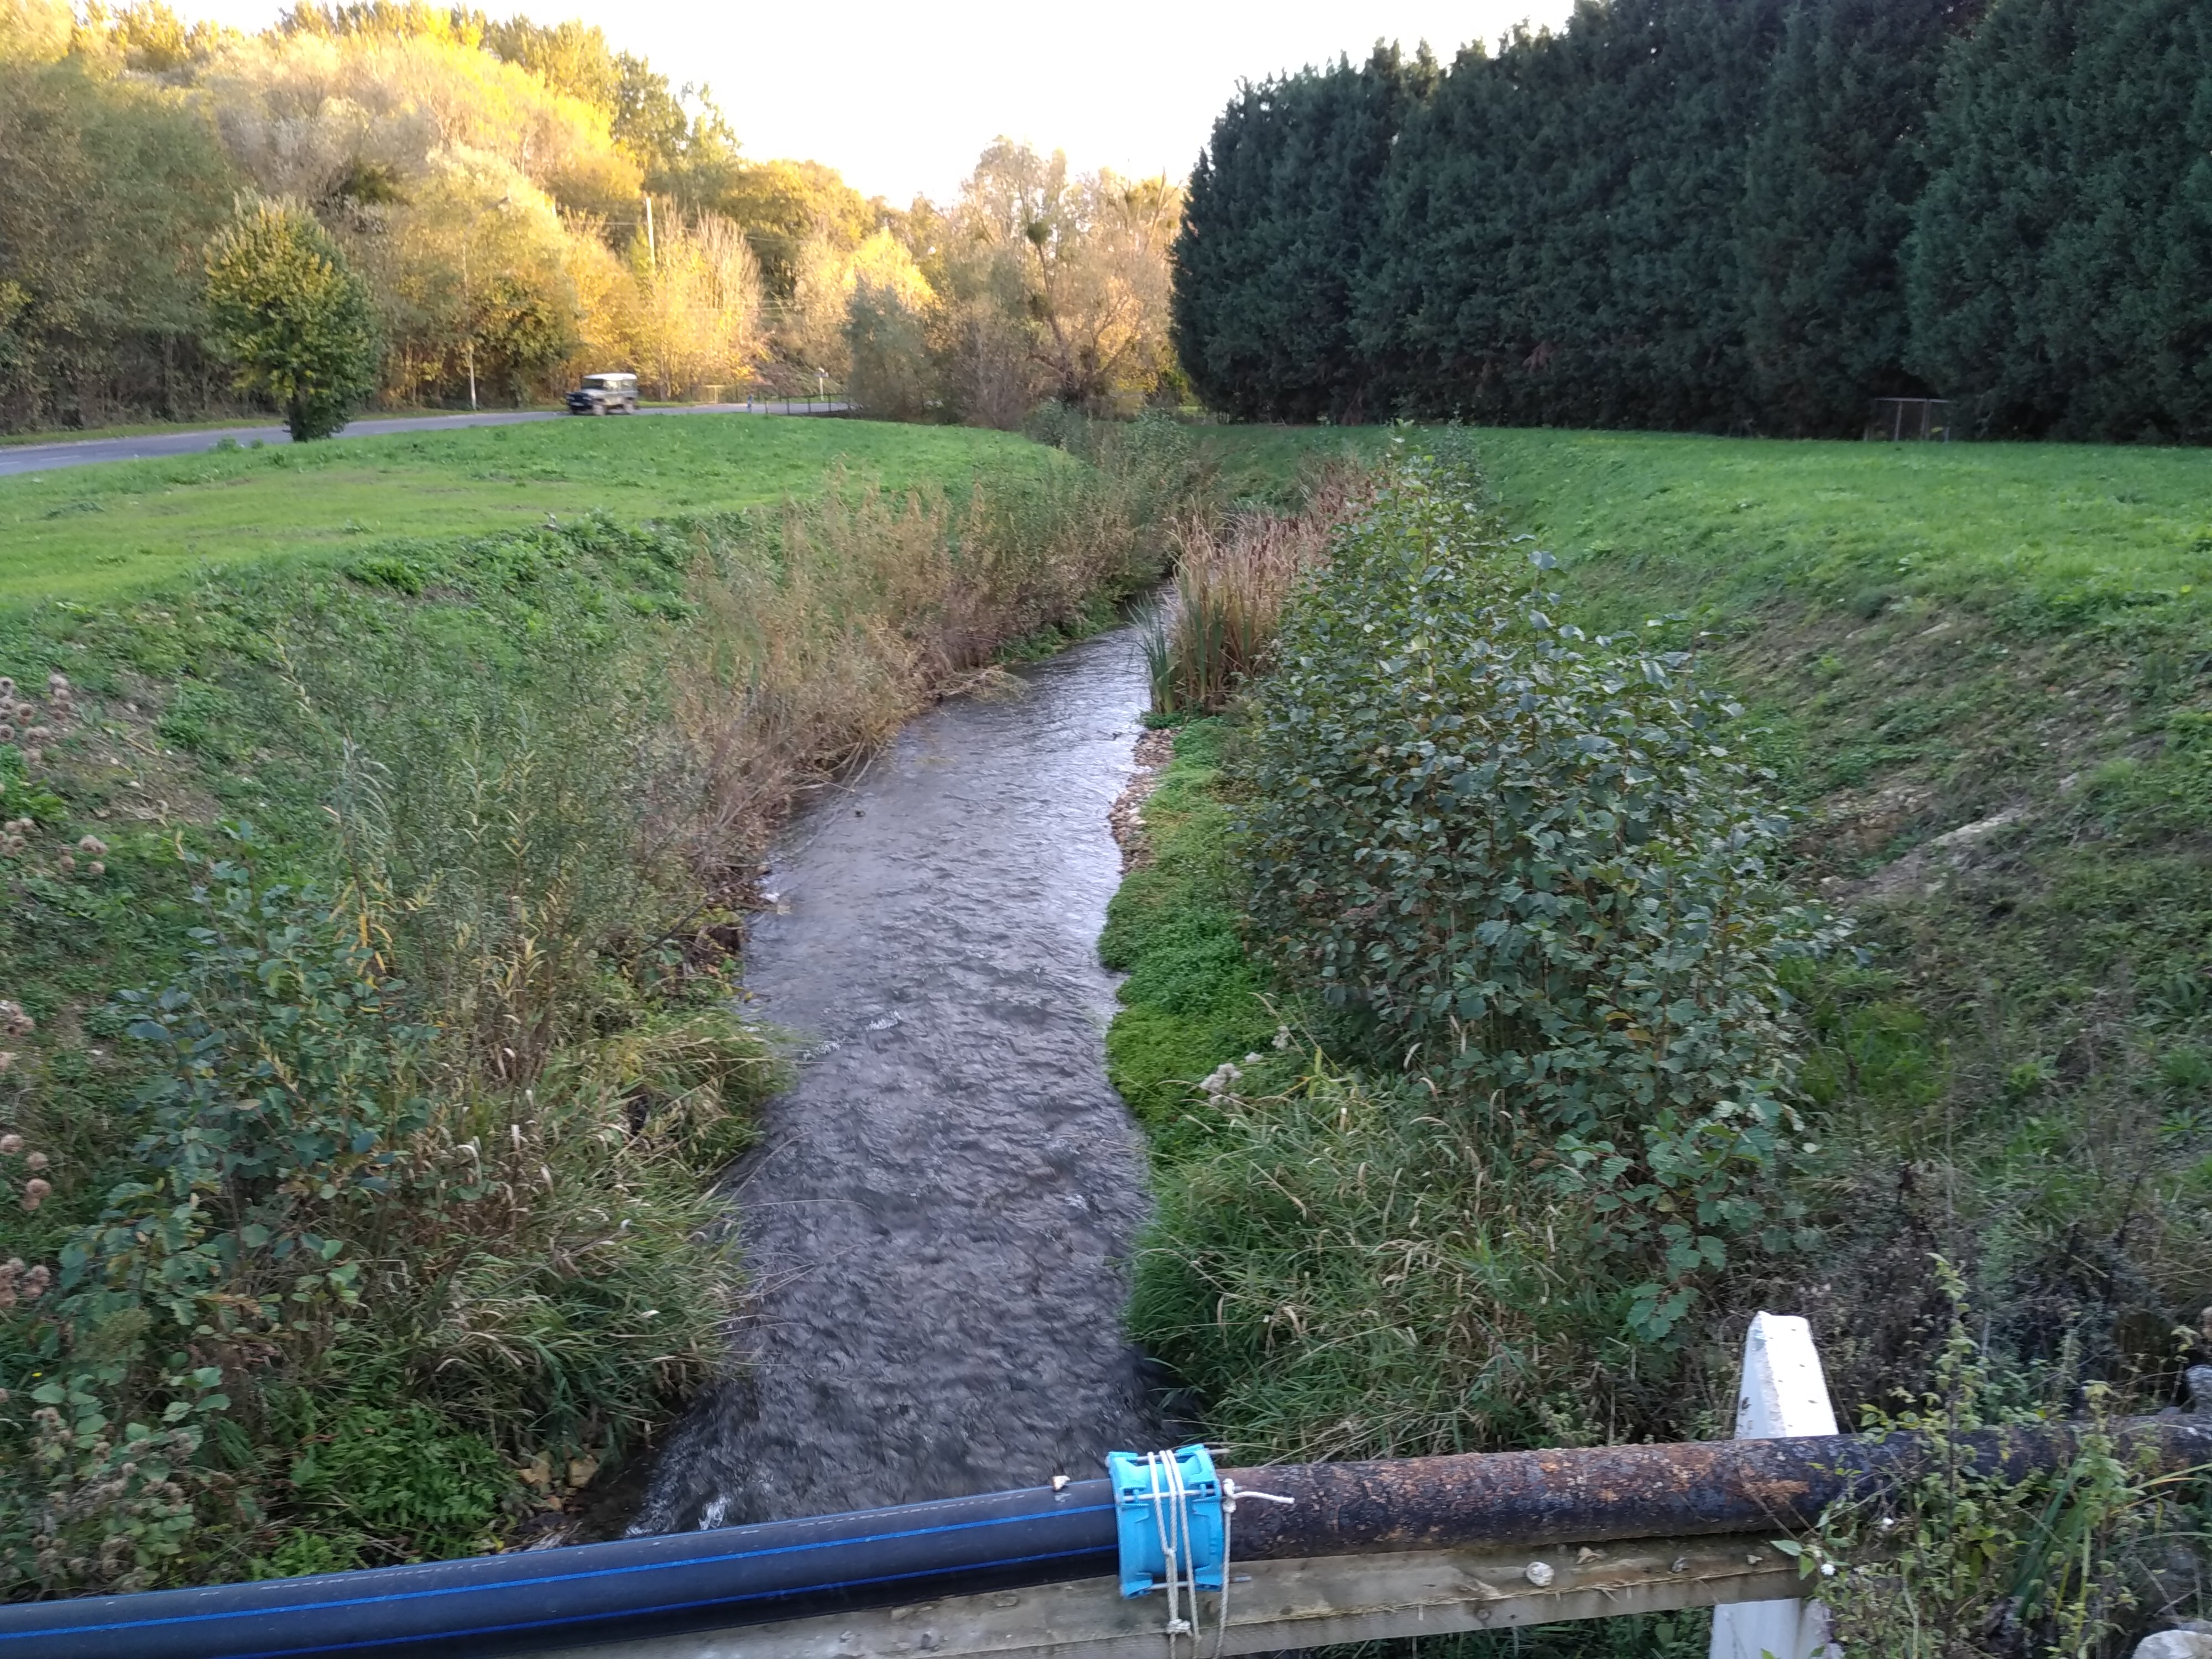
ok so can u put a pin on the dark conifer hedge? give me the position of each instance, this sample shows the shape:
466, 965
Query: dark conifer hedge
1726, 215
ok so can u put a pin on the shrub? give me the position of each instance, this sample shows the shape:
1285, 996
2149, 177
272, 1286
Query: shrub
1531, 857
292, 317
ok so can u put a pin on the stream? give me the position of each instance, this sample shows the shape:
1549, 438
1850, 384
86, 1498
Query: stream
938, 1219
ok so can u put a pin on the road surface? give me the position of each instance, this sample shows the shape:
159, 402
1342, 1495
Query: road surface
43, 457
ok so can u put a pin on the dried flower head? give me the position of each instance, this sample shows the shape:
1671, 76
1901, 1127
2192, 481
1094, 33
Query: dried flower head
95, 868
91, 844
6, 688
35, 1193
35, 1160
58, 682
24, 711
66, 862
38, 735
11, 1144
6, 732
14, 1021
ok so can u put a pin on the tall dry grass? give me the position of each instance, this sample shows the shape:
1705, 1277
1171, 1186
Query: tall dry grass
1234, 576
821, 634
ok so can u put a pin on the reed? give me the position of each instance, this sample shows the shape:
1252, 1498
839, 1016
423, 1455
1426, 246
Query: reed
1234, 576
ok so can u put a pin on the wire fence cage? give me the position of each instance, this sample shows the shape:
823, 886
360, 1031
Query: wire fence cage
1910, 420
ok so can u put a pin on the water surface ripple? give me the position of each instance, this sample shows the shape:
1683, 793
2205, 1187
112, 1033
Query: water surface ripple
938, 1218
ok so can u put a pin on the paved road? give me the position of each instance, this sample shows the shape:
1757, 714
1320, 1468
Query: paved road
41, 458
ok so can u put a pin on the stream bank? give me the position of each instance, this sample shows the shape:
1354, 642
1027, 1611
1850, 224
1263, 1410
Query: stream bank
936, 1219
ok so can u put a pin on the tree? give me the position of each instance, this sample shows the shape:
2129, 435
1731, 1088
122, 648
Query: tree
292, 316
1283, 214
698, 317
2060, 269
887, 333
109, 194
1837, 162
1075, 269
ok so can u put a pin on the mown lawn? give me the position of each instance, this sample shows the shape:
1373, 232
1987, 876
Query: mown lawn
92, 532
2048, 534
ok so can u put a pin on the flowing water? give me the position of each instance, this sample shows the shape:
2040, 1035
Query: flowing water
938, 1219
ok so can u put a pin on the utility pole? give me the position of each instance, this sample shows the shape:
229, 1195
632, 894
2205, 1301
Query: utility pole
651, 251
468, 324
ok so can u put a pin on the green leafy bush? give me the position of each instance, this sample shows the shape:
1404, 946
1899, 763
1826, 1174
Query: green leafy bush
296, 321
1532, 859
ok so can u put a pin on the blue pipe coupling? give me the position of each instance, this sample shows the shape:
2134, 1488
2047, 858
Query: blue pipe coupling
1167, 1515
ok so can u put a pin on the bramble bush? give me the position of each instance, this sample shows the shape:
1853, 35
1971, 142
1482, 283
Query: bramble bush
1533, 861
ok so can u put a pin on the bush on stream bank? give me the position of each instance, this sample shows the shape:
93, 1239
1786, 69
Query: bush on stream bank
1355, 1252
1532, 887
376, 1221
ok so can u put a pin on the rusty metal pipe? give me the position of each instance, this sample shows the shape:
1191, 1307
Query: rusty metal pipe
1591, 1494
780, 1570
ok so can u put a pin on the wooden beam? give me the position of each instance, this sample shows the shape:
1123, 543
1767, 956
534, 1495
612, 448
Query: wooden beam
1273, 1606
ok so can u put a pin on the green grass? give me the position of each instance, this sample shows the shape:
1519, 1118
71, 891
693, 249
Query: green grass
2039, 536
91, 533
1193, 999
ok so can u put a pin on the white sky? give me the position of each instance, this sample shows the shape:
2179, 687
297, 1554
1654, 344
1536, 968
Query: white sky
901, 97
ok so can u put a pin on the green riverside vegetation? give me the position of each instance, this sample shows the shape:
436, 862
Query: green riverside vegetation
368, 1026
1974, 675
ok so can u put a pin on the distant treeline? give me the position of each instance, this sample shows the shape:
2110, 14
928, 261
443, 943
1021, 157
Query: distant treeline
524, 202
1726, 214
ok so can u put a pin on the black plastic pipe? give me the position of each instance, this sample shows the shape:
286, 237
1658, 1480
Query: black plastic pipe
680, 1582
638, 1587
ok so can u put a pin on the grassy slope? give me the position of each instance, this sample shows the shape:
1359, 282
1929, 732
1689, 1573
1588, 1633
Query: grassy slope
91, 532
1932, 638
191, 690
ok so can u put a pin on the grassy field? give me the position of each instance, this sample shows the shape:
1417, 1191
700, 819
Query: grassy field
83, 532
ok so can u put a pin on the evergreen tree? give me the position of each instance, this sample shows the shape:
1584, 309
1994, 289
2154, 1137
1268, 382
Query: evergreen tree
2060, 267
288, 311
1832, 173
1280, 212
1558, 226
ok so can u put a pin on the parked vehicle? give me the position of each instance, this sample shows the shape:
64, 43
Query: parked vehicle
605, 394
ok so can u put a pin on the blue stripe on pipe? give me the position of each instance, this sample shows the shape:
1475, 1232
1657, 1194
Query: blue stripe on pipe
504, 1584
632, 1612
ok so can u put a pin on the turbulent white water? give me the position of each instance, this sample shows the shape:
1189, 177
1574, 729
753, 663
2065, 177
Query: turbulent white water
938, 1219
